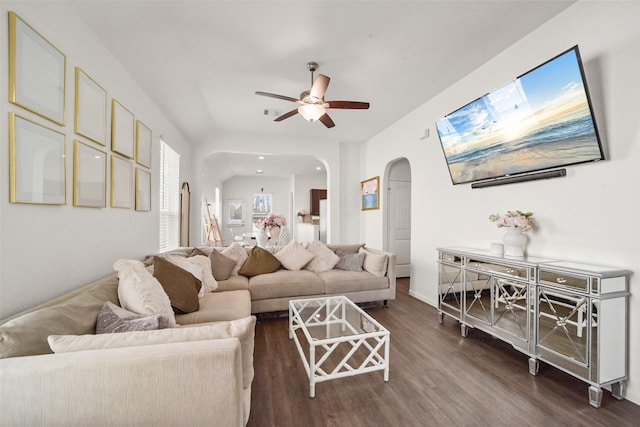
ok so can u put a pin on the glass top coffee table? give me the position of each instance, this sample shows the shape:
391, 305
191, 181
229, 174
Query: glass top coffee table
336, 339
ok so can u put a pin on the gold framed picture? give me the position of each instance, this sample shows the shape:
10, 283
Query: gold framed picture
37, 163
37, 72
121, 183
143, 190
89, 176
90, 109
122, 129
370, 194
143, 144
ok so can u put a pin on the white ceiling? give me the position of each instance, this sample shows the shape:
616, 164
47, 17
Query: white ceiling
202, 61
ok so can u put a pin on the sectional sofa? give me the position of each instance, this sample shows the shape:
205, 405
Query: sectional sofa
55, 369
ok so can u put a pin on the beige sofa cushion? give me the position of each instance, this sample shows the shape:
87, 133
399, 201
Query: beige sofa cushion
73, 314
218, 306
375, 263
342, 281
233, 283
346, 249
285, 283
243, 329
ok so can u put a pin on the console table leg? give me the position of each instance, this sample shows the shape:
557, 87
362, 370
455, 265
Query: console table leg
464, 329
619, 390
595, 396
440, 317
534, 366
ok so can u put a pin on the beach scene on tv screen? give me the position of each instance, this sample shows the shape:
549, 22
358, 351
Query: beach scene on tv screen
538, 121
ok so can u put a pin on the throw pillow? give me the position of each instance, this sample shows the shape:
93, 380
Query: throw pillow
374, 263
260, 261
180, 285
200, 267
243, 329
347, 249
221, 266
324, 258
351, 262
140, 292
293, 256
237, 253
112, 319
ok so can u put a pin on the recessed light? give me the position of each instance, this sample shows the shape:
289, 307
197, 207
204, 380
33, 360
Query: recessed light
260, 157
259, 171
318, 168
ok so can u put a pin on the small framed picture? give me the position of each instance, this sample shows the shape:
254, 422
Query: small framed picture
370, 193
235, 213
91, 109
37, 163
89, 176
261, 204
143, 144
121, 183
122, 130
143, 190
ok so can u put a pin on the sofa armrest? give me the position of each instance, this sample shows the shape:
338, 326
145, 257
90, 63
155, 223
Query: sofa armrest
391, 269
188, 383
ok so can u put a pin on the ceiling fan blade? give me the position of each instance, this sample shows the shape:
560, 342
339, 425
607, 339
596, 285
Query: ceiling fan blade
326, 120
286, 115
352, 105
319, 86
273, 95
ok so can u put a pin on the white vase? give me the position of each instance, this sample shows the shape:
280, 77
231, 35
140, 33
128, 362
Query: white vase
275, 235
262, 238
514, 242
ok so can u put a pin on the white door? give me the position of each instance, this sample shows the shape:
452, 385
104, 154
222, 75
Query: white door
399, 229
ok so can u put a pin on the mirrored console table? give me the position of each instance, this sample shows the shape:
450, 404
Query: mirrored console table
572, 316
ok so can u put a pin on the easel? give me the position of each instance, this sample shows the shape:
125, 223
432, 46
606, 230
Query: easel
214, 235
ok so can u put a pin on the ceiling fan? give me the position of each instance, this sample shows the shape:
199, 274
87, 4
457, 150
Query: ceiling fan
312, 104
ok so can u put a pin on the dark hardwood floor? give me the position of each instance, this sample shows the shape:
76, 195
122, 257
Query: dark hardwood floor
437, 378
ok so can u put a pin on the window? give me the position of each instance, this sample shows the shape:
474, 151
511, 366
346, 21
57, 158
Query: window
169, 198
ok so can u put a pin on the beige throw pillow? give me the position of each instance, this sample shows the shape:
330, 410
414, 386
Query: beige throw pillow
221, 266
243, 329
374, 263
324, 258
237, 253
293, 256
140, 292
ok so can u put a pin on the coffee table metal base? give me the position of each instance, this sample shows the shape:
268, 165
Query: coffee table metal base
343, 340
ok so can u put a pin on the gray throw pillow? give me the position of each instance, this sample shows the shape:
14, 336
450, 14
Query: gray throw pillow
113, 319
350, 262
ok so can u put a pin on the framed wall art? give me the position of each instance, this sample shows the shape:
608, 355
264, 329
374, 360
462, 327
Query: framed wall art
370, 193
261, 204
37, 163
89, 176
121, 183
90, 109
37, 72
143, 144
143, 190
122, 130
235, 213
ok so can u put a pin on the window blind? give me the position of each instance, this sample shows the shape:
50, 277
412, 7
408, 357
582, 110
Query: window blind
169, 198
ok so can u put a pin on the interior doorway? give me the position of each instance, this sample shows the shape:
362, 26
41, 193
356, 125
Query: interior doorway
397, 214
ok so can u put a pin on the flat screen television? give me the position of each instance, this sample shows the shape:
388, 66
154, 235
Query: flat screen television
541, 120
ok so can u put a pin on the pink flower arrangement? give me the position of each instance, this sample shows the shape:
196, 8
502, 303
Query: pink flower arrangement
271, 220
518, 219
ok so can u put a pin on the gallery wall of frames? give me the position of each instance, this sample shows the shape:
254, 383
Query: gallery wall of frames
42, 157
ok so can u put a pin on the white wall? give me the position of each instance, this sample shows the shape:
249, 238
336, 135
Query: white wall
244, 187
588, 216
327, 151
48, 250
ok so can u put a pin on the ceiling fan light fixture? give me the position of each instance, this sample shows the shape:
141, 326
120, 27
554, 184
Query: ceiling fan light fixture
312, 112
